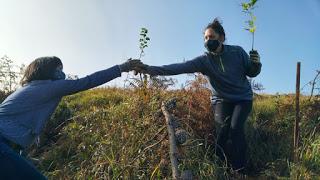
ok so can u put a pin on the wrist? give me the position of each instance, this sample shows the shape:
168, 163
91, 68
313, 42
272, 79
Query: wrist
123, 67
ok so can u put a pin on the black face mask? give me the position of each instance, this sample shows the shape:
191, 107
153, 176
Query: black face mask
212, 45
59, 74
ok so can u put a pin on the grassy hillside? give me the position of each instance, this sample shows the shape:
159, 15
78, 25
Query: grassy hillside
120, 133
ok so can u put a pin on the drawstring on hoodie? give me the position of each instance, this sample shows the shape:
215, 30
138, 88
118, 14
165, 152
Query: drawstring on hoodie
221, 64
212, 54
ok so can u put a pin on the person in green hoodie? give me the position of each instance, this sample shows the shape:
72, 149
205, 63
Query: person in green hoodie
226, 67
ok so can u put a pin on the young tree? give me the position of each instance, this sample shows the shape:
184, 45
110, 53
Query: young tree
10, 74
248, 8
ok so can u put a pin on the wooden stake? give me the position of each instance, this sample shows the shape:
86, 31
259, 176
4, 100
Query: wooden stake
297, 120
172, 141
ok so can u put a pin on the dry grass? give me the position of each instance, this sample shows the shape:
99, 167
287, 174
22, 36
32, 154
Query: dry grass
116, 134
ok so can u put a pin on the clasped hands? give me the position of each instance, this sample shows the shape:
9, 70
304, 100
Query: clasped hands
134, 65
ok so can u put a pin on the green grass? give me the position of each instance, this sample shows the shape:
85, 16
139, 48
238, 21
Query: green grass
114, 133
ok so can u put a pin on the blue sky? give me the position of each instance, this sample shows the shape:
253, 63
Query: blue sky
92, 35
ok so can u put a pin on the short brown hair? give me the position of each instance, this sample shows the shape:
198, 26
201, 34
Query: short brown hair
40, 69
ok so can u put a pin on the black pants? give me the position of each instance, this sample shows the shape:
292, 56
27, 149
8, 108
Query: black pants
230, 144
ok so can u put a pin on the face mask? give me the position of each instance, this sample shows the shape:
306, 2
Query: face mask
212, 45
59, 74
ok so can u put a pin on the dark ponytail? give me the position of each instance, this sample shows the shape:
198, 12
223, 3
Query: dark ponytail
217, 27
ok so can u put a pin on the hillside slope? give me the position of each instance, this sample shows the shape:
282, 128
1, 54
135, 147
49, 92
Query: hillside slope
114, 133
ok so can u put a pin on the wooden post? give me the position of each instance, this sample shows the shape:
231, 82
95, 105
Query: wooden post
297, 120
172, 141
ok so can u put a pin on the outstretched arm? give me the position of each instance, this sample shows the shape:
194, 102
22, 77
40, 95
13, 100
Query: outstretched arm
67, 87
194, 65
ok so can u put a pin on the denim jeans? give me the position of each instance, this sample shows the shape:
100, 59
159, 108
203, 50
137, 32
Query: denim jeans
15, 167
230, 118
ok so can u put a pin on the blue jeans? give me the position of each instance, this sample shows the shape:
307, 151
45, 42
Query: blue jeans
230, 118
15, 167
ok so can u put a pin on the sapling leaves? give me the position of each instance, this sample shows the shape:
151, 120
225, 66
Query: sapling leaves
247, 8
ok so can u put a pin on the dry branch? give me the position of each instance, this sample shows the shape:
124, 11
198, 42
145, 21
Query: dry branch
172, 141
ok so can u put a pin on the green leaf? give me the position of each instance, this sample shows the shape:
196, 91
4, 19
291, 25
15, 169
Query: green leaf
253, 2
253, 29
251, 23
245, 6
254, 18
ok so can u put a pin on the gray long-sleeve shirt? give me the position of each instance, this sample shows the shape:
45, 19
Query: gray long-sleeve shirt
226, 72
25, 112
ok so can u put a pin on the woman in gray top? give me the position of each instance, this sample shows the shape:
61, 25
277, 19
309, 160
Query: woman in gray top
226, 67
